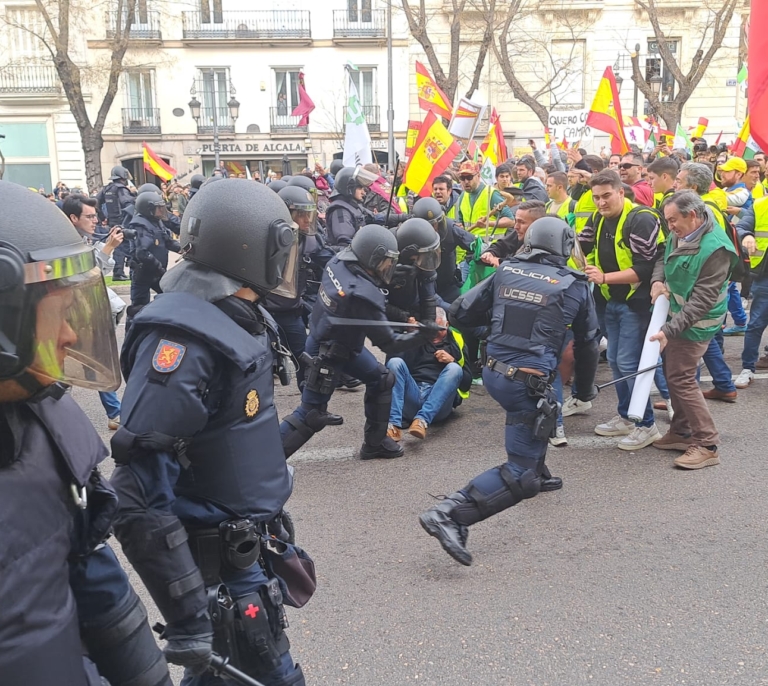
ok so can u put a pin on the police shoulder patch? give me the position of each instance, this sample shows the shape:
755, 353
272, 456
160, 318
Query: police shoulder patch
168, 356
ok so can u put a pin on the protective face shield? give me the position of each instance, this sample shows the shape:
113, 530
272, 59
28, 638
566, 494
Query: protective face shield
428, 259
284, 258
577, 254
55, 318
305, 218
362, 177
383, 263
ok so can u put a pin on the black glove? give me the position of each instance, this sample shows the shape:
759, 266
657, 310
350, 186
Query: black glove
430, 329
190, 644
403, 218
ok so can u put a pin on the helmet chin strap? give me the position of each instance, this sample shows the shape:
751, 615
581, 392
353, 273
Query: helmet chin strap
37, 390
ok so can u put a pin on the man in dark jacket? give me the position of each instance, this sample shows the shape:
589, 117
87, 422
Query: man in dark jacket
429, 381
532, 188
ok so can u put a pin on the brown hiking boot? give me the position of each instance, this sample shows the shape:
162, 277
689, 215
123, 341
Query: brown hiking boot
670, 441
762, 363
725, 396
697, 457
394, 432
418, 428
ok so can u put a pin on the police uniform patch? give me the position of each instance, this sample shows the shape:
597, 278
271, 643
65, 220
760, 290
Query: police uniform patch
251, 404
168, 356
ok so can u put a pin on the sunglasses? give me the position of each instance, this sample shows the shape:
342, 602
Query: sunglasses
466, 178
627, 165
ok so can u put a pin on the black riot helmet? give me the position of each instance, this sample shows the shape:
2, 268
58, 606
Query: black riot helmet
419, 244
197, 180
286, 177
550, 234
150, 204
55, 317
432, 211
349, 179
375, 248
336, 167
148, 188
119, 174
304, 182
214, 178
243, 230
277, 185
302, 207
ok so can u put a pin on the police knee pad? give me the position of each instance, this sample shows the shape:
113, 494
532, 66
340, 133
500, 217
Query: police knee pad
123, 648
387, 382
294, 679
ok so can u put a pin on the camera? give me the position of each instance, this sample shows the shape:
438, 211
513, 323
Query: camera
699, 148
129, 234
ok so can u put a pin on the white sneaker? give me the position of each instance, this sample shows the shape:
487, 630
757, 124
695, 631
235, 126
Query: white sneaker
640, 438
744, 378
559, 439
603, 345
575, 406
618, 426
670, 411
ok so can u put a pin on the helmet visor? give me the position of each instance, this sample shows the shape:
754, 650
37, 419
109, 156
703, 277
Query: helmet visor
428, 259
577, 255
386, 264
305, 217
74, 332
289, 286
363, 177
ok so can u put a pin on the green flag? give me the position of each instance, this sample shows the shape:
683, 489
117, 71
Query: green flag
741, 77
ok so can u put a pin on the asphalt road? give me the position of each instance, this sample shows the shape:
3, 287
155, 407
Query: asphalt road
634, 573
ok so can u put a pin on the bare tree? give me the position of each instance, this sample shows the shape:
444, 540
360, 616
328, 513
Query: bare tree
549, 72
419, 20
59, 18
713, 32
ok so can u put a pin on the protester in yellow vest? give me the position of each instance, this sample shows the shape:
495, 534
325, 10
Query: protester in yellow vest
752, 180
560, 203
583, 168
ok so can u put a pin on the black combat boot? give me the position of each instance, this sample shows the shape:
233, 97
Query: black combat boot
386, 450
438, 522
549, 482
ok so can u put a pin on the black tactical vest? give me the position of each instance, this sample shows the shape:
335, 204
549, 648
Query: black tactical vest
339, 204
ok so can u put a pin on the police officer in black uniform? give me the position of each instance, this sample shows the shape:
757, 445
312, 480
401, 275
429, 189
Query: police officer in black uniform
195, 183
115, 197
62, 590
151, 245
412, 289
345, 214
531, 300
354, 288
452, 235
200, 465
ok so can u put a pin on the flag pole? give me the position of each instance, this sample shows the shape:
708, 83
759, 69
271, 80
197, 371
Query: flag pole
390, 98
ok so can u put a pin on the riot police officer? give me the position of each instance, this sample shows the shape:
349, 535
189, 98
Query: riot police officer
113, 199
200, 466
61, 586
151, 245
195, 183
353, 289
452, 235
532, 298
412, 289
345, 215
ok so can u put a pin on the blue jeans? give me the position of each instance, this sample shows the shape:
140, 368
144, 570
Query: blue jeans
661, 382
111, 403
758, 320
734, 305
464, 268
722, 379
422, 400
625, 330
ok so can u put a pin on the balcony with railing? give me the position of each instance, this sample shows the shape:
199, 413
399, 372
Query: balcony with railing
31, 79
351, 25
371, 114
224, 121
282, 122
146, 25
141, 120
264, 25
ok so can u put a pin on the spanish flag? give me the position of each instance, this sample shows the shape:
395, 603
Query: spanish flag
433, 153
745, 145
430, 95
701, 127
493, 145
154, 165
605, 113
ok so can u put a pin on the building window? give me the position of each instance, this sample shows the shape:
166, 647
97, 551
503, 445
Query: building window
365, 82
654, 66
25, 24
360, 11
140, 90
567, 85
213, 86
286, 90
211, 12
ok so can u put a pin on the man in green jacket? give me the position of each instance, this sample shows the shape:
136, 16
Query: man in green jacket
694, 276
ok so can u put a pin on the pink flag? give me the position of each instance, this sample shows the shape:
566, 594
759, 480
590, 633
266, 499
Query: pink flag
305, 105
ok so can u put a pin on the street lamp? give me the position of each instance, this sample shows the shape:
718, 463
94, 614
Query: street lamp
655, 84
195, 109
619, 81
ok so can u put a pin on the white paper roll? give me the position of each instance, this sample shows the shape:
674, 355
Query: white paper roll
649, 357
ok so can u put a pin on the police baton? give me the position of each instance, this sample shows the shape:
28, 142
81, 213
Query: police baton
219, 665
343, 321
628, 376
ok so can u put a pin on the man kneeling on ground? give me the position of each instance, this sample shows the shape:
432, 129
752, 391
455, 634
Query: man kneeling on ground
429, 382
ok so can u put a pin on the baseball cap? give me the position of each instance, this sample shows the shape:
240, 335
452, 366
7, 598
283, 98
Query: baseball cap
734, 164
470, 167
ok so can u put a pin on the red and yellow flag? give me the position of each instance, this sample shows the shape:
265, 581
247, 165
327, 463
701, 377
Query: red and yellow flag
410, 137
605, 113
155, 165
493, 145
701, 127
433, 153
739, 146
430, 95
758, 72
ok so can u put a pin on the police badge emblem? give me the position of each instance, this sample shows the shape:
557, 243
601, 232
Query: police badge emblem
168, 356
251, 404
